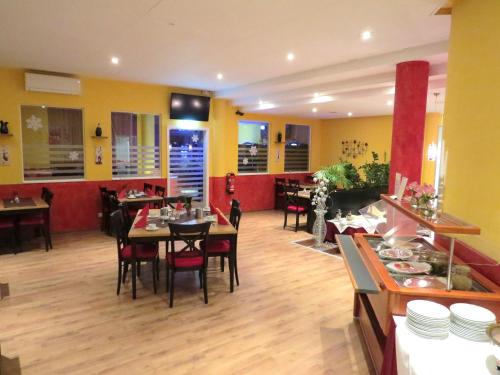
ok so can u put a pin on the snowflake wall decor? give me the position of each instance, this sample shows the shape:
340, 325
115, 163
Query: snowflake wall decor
195, 138
34, 123
253, 150
245, 161
73, 155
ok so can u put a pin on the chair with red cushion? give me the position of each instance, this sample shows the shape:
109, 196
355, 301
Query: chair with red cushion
160, 192
190, 257
222, 248
8, 227
279, 193
294, 183
147, 252
40, 221
294, 205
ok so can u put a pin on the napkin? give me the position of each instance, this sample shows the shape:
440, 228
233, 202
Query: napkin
141, 222
122, 194
221, 219
213, 210
145, 211
179, 206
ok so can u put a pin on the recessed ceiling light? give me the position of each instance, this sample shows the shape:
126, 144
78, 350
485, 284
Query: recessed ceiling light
261, 102
290, 56
219, 76
265, 105
391, 91
316, 94
349, 114
115, 60
389, 103
366, 35
322, 99
315, 109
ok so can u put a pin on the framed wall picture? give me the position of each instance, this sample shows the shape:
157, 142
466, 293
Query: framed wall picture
98, 154
4, 155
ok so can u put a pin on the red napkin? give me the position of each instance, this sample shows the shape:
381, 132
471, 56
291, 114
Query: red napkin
141, 222
149, 193
213, 210
145, 211
221, 219
178, 206
122, 194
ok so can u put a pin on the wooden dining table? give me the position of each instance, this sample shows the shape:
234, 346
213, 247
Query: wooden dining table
142, 235
141, 199
8, 207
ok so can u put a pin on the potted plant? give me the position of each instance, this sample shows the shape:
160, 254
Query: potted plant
376, 174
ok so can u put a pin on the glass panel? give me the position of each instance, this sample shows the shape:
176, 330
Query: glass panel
252, 146
52, 143
187, 163
136, 145
296, 148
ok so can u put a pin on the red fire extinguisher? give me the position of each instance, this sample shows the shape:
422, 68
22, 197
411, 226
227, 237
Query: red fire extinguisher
230, 177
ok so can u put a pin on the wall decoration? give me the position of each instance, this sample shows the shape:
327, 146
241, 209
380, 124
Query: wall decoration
195, 138
34, 123
73, 155
4, 155
98, 130
354, 148
98, 154
245, 161
253, 150
4, 129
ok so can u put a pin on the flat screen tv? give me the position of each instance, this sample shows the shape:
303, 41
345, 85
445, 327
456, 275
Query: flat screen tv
189, 107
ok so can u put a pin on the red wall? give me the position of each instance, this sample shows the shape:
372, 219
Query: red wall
75, 204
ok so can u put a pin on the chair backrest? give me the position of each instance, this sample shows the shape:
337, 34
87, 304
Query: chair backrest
235, 203
293, 183
172, 201
119, 229
148, 187
47, 195
279, 181
103, 189
292, 196
189, 234
235, 217
159, 191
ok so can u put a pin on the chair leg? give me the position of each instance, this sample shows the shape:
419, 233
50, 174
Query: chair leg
158, 268
172, 277
50, 238
286, 217
125, 270
168, 278
119, 277
200, 276
205, 289
153, 267
297, 222
222, 263
44, 233
138, 269
236, 270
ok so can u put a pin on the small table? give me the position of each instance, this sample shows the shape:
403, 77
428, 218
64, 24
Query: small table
26, 206
141, 200
217, 231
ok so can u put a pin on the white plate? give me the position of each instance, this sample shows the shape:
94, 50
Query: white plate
395, 253
131, 197
473, 313
428, 309
152, 229
409, 268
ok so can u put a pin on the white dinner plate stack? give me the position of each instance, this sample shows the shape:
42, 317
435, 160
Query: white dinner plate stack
470, 321
428, 319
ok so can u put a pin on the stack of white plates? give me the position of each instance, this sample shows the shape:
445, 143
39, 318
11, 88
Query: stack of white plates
428, 319
470, 321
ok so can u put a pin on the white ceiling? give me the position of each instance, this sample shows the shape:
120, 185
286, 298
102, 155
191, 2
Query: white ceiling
186, 43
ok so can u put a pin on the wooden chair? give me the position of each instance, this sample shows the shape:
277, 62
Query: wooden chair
294, 205
222, 248
172, 201
103, 192
279, 193
293, 183
147, 252
159, 191
190, 257
235, 203
148, 187
39, 221
8, 227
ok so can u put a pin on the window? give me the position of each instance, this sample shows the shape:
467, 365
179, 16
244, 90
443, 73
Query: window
252, 146
136, 145
52, 143
296, 148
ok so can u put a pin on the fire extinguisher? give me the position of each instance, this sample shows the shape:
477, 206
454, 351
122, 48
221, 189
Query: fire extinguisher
230, 177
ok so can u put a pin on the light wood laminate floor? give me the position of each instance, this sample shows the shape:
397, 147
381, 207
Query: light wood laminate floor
291, 314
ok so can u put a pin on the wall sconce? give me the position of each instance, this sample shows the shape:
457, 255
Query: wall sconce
432, 152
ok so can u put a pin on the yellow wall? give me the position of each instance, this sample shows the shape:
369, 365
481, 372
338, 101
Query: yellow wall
100, 97
432, 123
472, 120
377, 131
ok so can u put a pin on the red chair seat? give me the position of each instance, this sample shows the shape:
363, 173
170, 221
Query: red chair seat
187, 259
296, 208
142, 251
217, 246
6, 224
133, 211
31, 220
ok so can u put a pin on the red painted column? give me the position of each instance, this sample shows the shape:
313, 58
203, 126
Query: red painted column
412, 78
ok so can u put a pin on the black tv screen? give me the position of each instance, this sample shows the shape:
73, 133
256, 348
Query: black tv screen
189, 107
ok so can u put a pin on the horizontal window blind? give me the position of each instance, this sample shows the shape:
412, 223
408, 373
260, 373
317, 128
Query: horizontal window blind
252, 158
187, 167
139, 161
52, 162
296, 158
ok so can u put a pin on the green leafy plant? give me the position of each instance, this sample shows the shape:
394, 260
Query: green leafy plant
376, 173
352, 174
335, 174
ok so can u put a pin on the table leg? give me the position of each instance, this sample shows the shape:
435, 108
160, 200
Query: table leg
231, 264
134, 271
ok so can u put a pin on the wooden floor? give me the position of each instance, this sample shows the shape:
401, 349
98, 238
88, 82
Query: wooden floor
291, 314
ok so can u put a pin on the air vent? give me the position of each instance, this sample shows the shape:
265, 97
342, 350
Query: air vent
52, 83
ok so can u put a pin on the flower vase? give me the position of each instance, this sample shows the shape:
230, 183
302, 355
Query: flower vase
319, 228
426, 210
413, 201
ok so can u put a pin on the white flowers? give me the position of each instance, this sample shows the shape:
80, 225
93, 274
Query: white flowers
245, 161
73, 155
320, 194
34, 123
253, 150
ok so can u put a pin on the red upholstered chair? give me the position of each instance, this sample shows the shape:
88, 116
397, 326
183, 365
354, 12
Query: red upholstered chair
190, 257
294, 205
148, 187
147, 252
159, 191
222, 248
8, 227
279, 193
39, 221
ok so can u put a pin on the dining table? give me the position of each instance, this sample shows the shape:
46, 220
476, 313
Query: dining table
142, 199
162, 233
29, 205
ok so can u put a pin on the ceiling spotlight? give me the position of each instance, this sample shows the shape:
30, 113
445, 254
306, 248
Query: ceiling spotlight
261, 102
115, 60
315, 109
322, 99
389, 103
219, 76
391, 91
316, 94
290, 56
349, 114
366, 35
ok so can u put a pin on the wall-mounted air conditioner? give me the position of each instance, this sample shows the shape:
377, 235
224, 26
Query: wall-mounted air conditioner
53, 84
